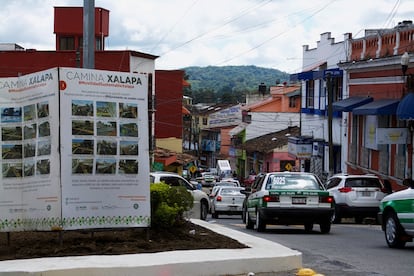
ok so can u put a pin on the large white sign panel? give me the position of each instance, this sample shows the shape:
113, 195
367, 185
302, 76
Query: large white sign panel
29, 182
226, 117
392, 136
104, 149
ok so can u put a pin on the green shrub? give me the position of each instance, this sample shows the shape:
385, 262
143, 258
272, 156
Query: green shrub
168, 205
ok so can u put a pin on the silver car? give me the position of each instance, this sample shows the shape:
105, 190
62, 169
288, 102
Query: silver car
227, 200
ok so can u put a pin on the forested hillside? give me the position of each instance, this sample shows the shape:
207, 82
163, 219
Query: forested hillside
229, 84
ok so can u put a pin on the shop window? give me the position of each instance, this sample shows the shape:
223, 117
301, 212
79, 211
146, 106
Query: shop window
292, 102
310, 93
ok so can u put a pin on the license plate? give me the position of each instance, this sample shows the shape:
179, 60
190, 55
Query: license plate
365, 193
298, 200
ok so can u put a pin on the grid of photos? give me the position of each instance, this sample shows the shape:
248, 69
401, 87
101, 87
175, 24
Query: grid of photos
104, 137
25, 140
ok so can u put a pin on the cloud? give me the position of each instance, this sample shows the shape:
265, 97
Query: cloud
184, 33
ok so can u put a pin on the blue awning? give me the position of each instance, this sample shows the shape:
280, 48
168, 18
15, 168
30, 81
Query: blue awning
378, 107
405, 110
350, 103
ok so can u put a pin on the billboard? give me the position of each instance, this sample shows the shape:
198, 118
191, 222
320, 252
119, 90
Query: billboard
75, 150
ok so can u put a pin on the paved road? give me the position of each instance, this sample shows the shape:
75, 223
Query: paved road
349, 250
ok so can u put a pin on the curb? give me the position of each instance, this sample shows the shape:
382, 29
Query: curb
261, 257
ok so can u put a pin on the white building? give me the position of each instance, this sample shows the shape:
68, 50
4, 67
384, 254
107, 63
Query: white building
316, 124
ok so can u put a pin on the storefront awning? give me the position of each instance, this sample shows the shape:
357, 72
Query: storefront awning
350, 103
405, 110
378, 107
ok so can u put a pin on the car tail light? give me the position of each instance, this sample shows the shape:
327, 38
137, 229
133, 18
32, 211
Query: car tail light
271, 198
218, 198
345, 189
326, 199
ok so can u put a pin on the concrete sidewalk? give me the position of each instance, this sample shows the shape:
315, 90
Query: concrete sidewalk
262, 257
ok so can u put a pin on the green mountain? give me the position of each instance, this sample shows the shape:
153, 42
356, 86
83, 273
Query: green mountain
229, 84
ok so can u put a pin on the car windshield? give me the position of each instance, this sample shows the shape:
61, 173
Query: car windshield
363, 182
292, 182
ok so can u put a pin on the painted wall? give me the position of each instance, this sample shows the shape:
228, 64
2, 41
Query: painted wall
173, 144
265, 122
169, 96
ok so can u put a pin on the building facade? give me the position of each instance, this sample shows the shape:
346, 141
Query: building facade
319, 146
379, 139
264, 120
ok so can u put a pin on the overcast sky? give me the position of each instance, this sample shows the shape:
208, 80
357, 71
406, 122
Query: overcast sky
264, 33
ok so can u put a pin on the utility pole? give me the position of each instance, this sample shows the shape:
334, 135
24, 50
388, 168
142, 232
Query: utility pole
330, 139
89, 34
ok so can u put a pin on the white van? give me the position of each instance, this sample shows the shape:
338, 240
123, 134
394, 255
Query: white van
224, 169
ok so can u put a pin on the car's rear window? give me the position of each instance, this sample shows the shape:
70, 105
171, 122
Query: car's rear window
292, 182
230, 192
363, 182
228, 184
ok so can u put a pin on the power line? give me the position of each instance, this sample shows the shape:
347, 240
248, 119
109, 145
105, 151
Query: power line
173, 26
217, 27
391, 16
279, 34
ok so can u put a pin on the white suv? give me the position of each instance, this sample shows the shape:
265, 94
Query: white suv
201, 200
356, 196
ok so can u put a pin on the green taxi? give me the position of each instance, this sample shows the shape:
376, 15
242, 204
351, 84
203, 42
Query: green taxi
396, 217
288, 198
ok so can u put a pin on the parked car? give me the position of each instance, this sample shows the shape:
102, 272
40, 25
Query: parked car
201, 200
396, 217
227, 200
287, 198
356, 196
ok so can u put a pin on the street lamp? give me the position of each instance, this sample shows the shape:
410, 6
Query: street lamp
405, 59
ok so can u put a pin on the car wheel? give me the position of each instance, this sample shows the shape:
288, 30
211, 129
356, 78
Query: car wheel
260, 223
336, 218
308, 227
203, 210
393, 231
248, 221
215, 215
243, 215
325, 226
